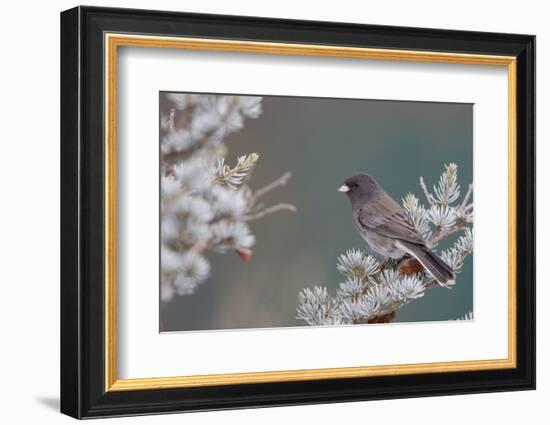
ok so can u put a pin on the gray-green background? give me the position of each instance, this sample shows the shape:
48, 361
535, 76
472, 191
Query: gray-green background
323, 141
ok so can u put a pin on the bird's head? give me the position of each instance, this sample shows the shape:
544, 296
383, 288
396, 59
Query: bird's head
360, 188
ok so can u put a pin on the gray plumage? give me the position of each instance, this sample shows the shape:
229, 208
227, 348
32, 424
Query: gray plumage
383, 224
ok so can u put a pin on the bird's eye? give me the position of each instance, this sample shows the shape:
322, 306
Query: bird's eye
356, 185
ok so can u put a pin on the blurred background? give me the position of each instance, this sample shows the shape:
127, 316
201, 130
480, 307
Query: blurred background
323, 141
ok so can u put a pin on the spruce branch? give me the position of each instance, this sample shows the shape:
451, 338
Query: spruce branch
464, 203
270, 210
234, 177
201, 245
205, 203
465, 318
279, 182
427, 194
373, 291
209, 119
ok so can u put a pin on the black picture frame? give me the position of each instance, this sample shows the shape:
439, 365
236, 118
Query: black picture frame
83, 392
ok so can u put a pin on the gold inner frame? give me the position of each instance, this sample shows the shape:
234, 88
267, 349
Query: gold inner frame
113, 41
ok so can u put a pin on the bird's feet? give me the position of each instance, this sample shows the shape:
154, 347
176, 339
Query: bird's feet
388, 263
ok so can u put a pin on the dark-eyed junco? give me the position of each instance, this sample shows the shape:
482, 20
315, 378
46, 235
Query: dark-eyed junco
383, 224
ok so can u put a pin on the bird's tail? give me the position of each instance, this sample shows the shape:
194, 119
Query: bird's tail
431, 262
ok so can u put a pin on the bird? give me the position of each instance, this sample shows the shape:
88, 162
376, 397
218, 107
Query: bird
385, 227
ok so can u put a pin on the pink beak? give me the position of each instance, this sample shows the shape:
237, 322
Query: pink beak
344, 188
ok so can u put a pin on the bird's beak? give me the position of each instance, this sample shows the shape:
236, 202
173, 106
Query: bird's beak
344, 188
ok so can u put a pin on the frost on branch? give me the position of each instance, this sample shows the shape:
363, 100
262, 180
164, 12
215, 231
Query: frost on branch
467, 317
206, 203
372, 290
234, 177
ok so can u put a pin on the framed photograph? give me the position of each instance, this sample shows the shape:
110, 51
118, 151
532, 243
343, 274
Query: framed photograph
261, 212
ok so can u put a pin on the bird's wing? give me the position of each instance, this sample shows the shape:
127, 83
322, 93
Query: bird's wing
385, 217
